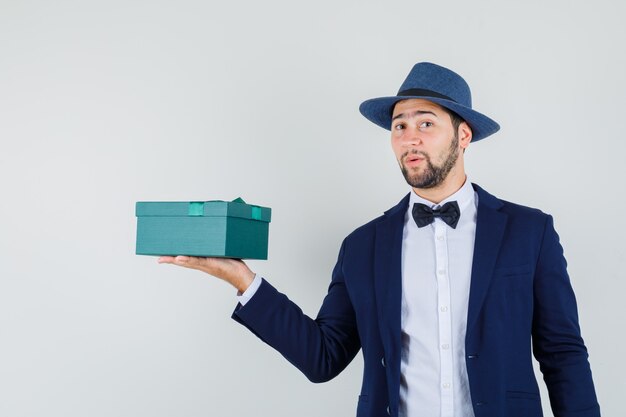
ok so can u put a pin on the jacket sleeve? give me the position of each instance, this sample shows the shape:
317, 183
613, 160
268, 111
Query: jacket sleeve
557, 341
320, 348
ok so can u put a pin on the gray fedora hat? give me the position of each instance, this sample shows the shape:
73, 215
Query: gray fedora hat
439, 85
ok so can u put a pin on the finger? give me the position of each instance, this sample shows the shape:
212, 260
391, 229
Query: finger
192, 262
213, 266
181, 259
187, 261
166, 260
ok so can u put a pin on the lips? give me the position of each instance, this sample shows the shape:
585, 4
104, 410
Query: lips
413, 160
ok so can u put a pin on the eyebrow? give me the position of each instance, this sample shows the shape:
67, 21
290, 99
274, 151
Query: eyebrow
402, 115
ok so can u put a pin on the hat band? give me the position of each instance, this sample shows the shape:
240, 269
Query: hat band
423, 92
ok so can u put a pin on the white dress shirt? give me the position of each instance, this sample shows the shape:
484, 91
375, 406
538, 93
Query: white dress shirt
244, 297
436, 272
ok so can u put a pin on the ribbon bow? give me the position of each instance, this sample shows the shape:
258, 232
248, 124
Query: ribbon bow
424, 215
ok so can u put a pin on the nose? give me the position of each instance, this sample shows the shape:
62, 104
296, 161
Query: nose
411, 136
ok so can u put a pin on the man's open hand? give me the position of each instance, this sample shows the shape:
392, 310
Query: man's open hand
233, 271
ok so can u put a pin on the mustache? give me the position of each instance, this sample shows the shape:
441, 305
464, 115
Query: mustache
421, 154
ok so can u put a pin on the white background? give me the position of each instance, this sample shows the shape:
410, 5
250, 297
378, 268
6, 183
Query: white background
105, 103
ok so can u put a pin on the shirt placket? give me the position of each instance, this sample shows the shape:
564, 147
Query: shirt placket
445, 320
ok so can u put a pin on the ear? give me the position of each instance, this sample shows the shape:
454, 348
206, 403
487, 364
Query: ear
465, 135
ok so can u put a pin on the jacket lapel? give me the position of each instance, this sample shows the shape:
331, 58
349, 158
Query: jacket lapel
388, 286
490, 227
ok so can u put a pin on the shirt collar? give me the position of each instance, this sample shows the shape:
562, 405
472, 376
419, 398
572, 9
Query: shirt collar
463, 196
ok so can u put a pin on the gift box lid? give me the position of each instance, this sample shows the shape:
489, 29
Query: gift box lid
213, 208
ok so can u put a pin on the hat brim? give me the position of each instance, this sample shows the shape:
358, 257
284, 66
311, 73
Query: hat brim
378, 111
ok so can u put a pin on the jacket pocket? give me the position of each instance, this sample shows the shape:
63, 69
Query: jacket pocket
522, 395
523, 404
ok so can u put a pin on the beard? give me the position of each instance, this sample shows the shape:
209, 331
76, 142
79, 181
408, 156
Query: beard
431, 175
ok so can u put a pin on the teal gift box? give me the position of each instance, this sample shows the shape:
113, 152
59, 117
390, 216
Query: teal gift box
228, 229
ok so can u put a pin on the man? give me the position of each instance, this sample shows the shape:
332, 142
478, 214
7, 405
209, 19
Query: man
443, 292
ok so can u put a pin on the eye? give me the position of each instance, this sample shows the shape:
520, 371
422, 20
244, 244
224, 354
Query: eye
399, 126
426, 124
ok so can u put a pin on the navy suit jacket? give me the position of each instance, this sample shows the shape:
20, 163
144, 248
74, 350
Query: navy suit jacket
519, 288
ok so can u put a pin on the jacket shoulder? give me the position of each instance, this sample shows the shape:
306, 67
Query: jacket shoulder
508, 207
522, 210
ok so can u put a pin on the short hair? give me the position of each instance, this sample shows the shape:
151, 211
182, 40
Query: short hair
456, 119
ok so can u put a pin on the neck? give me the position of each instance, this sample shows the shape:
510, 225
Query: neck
453, 183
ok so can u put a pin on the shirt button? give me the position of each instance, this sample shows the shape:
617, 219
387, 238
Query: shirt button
440, 238
445, 346
444, 309
382, 361
441, 271
388, 411
446, 385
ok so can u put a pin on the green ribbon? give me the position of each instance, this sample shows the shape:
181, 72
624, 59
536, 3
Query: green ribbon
196, 208
256, 210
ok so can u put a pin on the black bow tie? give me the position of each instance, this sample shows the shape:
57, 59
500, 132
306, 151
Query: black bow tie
449, 213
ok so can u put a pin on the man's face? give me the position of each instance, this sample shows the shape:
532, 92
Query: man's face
424, 141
